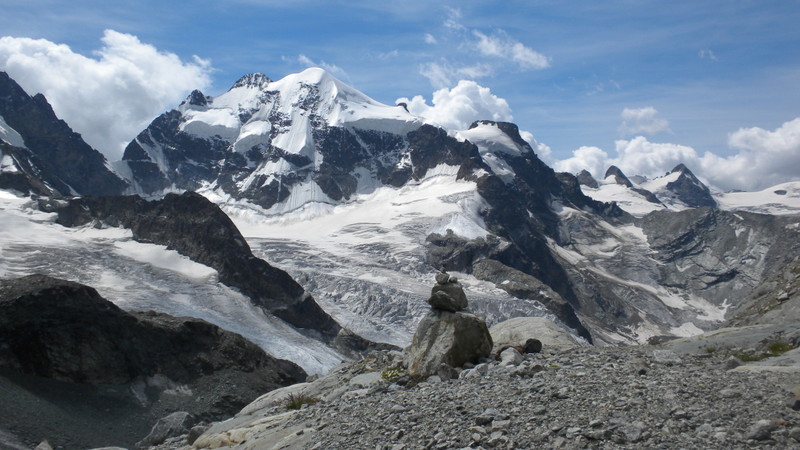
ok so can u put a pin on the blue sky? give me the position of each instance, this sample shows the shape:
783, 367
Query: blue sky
690, 73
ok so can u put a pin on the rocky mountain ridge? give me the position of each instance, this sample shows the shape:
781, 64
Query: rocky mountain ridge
57, 156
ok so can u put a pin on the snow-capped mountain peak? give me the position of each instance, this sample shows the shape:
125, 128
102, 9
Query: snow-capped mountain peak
253, 80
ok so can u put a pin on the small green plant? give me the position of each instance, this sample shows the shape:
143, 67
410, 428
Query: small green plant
711, 350
296, 401
779, 348
749, 357
775, 348
391, 374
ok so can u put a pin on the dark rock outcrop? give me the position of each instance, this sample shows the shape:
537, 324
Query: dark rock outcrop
66, 331
689, 189
24, 179
60, 339
619, 177
63, 160
586, 179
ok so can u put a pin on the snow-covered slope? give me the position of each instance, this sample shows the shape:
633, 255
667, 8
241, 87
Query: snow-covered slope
677, 190
630, 201
781, 199
364, 260
141, 277
10, 135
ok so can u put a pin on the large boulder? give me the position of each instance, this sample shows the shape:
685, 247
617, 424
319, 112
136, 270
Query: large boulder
444, 337
516, 333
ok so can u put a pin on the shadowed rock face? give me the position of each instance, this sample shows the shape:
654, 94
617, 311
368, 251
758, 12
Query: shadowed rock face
62, 158
719, 255
23, 180
99, 375
586, 179
689, 189
66, 331
619, 177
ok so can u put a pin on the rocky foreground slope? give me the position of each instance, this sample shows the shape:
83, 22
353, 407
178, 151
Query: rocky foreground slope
731, 388
587, 397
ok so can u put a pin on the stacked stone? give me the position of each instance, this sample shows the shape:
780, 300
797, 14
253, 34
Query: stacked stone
448, 335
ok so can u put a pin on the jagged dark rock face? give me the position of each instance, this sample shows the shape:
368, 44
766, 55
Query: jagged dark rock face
619, 177
25, 180
190, 160
66, 331
522, 218
586, 179
719, 255
689, 189
198, 229
430, 146
61, 339
63, 160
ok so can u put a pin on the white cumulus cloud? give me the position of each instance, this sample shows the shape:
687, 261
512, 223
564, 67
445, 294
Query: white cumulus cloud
593, 159
765, 158
110, 96
642, 121
639, 156
457, 108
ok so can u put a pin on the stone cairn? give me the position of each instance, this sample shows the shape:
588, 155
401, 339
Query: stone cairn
448, 336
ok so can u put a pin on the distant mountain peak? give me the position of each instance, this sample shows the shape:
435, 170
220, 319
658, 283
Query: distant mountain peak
619, 177
510, 129
255, 80
196, 98
681, 168
689, 189
56, 154
586, 179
